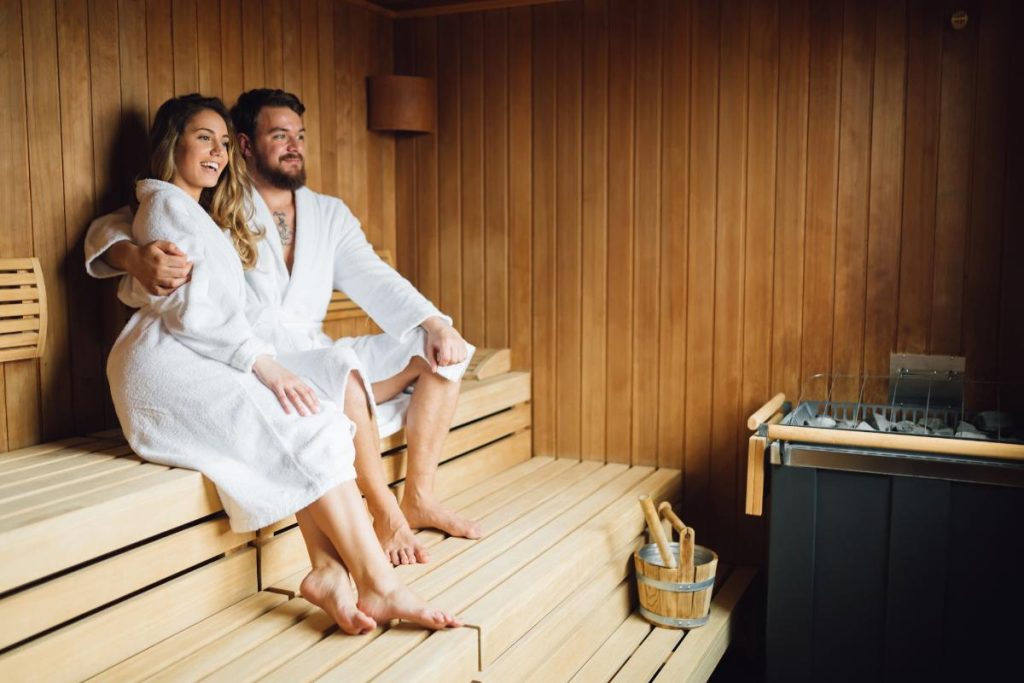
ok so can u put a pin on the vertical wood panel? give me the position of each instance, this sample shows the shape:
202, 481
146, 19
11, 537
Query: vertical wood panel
520, 190
209, 51
253, 71
20, 382
83, 310
646, 232
310, 92
471, 141
917, 239
701, 259
328, 98
762, 122
852, 198
886, 188
594, 264
568, 280
274, 28
186, 49
232, 68
728, 283
621, 85
449, 156
787, 310
826, 21
49, 244
359, 199
405, 160
954, 186
496, 180
344, 126
159, 54
544, 227
428, 266
994, 130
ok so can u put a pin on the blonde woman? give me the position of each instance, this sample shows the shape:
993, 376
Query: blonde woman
194, 387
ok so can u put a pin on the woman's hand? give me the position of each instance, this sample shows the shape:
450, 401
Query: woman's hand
444, 345
286, 385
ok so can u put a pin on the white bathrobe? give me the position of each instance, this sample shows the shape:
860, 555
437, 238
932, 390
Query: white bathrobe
331, 252
181, 378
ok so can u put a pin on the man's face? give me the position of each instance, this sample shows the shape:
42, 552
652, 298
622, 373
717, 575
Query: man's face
276, 154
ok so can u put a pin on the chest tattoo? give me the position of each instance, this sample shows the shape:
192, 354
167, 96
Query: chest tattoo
287, 232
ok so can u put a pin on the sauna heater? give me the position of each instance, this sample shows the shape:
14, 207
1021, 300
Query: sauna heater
896, 530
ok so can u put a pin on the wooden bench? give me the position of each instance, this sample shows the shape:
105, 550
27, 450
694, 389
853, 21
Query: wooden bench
105, 556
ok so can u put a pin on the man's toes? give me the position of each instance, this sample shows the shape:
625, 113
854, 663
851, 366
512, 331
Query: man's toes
422, 556
395, 557
365, 623
403, 554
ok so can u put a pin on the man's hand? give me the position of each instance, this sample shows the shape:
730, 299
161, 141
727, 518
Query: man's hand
444, 345
160, 266
287, 386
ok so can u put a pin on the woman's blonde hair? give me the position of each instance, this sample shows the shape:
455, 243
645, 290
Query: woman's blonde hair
229, 202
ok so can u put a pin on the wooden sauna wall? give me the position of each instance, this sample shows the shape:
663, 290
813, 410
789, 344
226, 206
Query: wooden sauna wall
672, 209
79, 83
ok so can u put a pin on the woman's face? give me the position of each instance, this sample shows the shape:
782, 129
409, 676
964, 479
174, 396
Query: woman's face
201, 154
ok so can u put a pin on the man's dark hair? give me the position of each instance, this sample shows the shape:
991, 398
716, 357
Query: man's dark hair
252, 102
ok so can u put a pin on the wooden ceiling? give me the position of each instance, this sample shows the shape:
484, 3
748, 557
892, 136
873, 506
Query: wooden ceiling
417, 8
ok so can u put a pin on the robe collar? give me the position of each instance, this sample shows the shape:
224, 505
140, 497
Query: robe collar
305, 239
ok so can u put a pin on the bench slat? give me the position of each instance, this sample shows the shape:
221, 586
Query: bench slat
41, 607
702, 649
72, 531
650, 656
39, 483
80, 487
603, 600
488, 579
619, 647
237, 643
444, 656
506, 613
87, 647
151, 661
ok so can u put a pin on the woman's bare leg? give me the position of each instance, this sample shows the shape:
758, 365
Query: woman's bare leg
395, 536
339, 515
431, 410
328, 585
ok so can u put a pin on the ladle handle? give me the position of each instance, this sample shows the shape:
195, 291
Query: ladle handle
668, 559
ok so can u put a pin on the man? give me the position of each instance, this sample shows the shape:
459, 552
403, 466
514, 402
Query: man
313, 244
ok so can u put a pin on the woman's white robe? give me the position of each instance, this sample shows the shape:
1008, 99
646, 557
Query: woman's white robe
331, 252
180, 375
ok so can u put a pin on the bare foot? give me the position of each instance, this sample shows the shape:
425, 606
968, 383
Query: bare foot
399, 602
398, 540
428, 514
330, 590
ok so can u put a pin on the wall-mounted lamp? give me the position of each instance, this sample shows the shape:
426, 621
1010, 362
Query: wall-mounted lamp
401, 103
959, 20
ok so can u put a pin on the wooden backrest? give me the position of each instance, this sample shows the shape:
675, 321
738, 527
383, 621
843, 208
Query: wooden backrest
343, 308
22, 309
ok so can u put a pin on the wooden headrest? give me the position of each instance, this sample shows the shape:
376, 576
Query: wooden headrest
22, 309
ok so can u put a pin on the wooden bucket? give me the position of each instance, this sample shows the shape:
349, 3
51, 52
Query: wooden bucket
667, 598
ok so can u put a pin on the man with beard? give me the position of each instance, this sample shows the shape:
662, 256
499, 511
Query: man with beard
312, 245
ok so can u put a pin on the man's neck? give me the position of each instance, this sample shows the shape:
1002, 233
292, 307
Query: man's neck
275, 198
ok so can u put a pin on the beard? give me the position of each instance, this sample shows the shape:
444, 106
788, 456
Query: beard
279, 178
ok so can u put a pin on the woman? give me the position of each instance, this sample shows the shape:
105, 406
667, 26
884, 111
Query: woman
194, 387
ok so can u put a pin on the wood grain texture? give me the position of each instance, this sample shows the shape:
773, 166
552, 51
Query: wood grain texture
766, 191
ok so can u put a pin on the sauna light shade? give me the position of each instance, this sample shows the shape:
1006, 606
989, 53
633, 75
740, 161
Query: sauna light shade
401, 103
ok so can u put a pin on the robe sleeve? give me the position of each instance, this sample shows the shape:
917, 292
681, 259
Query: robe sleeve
105, 232
387, 297
201, 314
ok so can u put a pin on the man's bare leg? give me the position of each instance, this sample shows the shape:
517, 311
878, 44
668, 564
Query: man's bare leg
396, 537
340, 516
431, 410
328, 585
